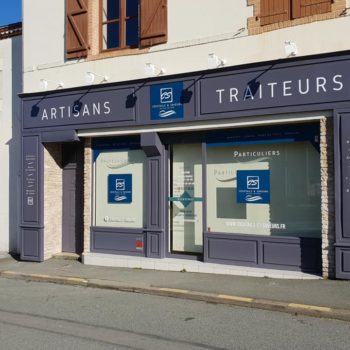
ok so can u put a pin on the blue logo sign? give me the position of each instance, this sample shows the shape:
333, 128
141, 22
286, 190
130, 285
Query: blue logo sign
120, 188
166, 101
253, 186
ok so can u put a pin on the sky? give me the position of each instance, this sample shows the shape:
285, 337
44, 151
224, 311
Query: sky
10, 11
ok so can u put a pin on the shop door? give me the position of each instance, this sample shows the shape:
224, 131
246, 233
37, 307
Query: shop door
185, 199
72, 211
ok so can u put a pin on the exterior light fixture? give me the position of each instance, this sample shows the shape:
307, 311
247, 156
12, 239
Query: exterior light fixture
44, 83
151, 70
215, 61
91, 76
290, 48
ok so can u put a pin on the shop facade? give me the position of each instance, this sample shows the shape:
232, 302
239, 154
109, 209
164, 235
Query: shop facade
240, 166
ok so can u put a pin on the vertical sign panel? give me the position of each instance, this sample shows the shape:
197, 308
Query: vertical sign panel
30, 195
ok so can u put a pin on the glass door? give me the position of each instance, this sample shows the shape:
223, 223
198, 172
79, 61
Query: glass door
185, 199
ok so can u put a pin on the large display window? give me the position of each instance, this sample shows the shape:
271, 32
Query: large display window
119, 178
265, 182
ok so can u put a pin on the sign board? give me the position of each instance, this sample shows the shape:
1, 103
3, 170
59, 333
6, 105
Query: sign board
253, 186
166, 101
120, 188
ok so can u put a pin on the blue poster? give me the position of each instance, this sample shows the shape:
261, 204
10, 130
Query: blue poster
253, 186
120, 188
166, 101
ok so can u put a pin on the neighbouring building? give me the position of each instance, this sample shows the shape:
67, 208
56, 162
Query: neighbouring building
215, 131
10, 135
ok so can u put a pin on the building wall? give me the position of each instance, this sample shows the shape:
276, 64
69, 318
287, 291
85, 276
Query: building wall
192, 36
87, 193
53, 177
10, 127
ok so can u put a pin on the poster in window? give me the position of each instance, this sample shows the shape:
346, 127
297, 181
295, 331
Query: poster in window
253, 186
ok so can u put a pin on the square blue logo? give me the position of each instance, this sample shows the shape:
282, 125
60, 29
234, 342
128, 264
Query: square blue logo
120, 188
166, 102
253, 186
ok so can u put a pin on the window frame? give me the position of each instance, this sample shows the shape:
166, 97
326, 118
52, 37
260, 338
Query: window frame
122, 27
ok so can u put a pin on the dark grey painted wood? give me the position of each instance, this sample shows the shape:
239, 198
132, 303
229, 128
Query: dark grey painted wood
32, 209
342, 191
59, 136
72, 210
289, 253
32, 244
118, 241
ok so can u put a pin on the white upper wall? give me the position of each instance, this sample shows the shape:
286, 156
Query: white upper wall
195, 29
43, 32
10, 126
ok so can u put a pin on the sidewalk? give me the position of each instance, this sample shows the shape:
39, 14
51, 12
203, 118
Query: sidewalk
323, 298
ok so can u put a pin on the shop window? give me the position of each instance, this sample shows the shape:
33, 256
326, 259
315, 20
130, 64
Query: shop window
274, 11
265, 182
119, 184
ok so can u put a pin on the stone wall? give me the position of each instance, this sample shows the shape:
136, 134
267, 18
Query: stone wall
87, 193
53, 177
327, 197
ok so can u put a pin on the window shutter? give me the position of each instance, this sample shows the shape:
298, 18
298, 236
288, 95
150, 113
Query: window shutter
154, 22
303, 8
273, 11
77, 29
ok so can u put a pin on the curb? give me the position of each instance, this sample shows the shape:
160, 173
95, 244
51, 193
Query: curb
264, 304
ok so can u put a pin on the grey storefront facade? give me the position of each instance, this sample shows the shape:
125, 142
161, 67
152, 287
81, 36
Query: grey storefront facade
243, 166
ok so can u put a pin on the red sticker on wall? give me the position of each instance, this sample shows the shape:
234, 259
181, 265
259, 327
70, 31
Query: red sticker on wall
139, 244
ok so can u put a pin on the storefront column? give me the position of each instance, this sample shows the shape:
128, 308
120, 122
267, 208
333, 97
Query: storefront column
32, 226
342, 190
155, 219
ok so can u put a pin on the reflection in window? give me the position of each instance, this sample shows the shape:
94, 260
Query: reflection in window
270, 188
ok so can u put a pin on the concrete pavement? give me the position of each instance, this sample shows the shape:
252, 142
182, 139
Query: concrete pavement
321, 298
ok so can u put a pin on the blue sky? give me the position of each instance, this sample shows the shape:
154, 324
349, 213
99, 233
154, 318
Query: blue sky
10, 11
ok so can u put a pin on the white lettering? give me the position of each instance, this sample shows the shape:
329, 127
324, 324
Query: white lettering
106, 107
272, 85
321, 83
86, 110
260, 91
61, 109
96, 108
220, 91
335, 81
233, 94
44, 115
248, 93
76, 111
287, 87
306, 91
53, 113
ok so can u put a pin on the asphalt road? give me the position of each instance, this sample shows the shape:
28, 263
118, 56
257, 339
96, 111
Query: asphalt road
48, 316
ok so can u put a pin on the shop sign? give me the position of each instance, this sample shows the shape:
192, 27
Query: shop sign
120, 188
166, 101
253, 186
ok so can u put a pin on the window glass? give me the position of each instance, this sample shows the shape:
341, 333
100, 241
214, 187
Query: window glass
132, 8
111, 35
110, 10
265, 185
132, 32
186, 198
120, 188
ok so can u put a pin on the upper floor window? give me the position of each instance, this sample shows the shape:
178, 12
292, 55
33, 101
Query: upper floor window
274, 11
122, 24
